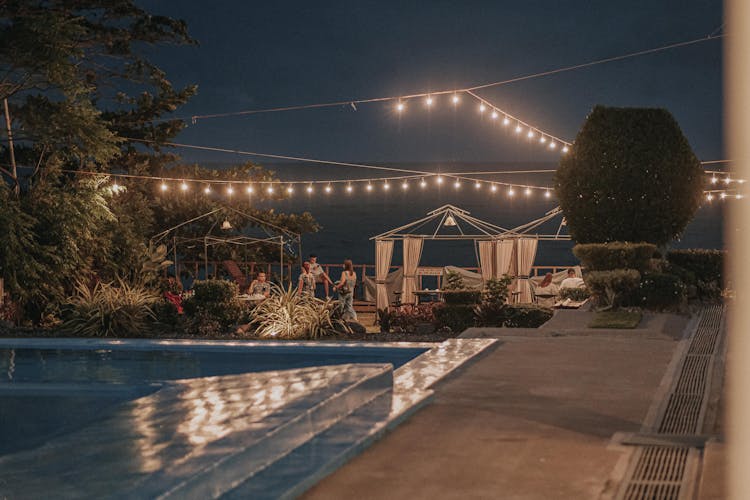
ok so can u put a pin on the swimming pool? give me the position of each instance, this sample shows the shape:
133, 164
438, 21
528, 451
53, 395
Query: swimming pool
201, 418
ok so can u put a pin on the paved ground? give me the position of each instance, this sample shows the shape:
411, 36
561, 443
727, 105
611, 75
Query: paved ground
531, 420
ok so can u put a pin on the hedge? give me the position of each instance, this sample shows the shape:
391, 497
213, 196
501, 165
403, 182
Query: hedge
615, 255
613, 288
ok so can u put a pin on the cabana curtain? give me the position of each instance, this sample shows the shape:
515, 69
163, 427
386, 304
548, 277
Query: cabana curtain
503, 257
383, 254
412, 253
525, 253
486, 259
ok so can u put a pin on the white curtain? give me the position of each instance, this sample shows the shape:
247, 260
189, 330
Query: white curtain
525, 254
503, 257
486, 259
412, 253
383, 254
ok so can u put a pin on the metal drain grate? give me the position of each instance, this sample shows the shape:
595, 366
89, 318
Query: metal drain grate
659, 471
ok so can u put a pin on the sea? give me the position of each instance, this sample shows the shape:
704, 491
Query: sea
350, 221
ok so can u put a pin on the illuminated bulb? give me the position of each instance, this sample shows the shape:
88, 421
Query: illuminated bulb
269, 190
400, 107
405, 185
457, 184
309, 189
714, 180
552, 145
494, 115
164, 186
455, 99
115, 187
250, 189
709, 197
386, 186
423, 184
530, 134
727, 180
506, 122
349, 188
184, 186
738, 196
230, 190
207, 189
511, 192
741, 181
547, 194
542, 139
478, 185
290, 190
527, 192
482, 108
565, 149
723, 195
428, 101
493, 188
439, 179
369, 187
328, 189
518, 129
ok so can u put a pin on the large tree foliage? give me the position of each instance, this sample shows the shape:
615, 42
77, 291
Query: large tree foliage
630, 176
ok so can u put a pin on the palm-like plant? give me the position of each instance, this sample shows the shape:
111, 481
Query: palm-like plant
109, 310
287, 314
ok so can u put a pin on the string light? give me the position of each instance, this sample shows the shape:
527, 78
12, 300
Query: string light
423, 183
439, 179
527, 192
207, 189
349, 188
511, 192
328, 189
709, 197
457, 184
386, 186
714, 180
530, 134
230, 190
477, 185
184, 186
565, 149
552, 145
164, 186
482, 108
290, 189
369, 187
727, 180
738, 196
250, 189
400, 107
405, 186
269, 190
310, 189
723, 195
547, 194
493, 188
494, 115
116, 188
455, 99
428, 101
542, 139
518, 128
506, 121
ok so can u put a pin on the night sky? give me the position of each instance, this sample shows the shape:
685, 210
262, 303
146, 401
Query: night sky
263, 54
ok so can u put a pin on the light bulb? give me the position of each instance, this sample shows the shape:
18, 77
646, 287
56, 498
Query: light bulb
511, 192
207, 189
400, 107
164, 186
494, 115
530, 134
423, 184
723, 195
714, 180
552, 145
518, 129
542, 139
738, 196
250, 189
328, 189
477, 184
439, 179
269, 190
386, 186
428, 101
506, 122
727, 180
309, 189
527, 192
709, 197
184, 186
369, 187
457, 184
405, 185
547, 194
741, 181
565, 149
482, 108
455, 99
230, 190
290, 190
349, 188
493, 188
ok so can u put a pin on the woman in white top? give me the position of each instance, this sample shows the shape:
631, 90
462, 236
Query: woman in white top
546, 292
345, 286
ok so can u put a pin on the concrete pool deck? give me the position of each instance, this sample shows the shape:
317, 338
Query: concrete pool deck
532, 419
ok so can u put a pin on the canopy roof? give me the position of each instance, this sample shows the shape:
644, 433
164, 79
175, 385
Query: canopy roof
452, 223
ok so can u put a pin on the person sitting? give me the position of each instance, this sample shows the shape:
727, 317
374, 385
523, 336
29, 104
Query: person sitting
172, 289
546, 292
572, 281
260, 289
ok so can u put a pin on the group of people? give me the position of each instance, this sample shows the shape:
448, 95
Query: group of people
313, 280
547, 292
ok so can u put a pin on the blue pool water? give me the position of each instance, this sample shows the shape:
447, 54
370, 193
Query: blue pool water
46, 393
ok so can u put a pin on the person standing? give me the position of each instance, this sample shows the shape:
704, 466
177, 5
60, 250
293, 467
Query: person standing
321, 278
306, 280
345, 287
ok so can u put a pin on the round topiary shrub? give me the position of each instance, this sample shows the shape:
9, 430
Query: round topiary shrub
630, 176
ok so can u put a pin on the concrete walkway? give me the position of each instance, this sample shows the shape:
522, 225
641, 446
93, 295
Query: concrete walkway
531, 420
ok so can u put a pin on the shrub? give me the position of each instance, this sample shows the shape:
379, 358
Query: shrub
287, 314
453, 281
612, 288
496, 290
701, 268
166, 315
214, 307
408, 318
108, 310
462, 297
615, 255
629, 176
457, 317
525, 316
660, 291
575, 294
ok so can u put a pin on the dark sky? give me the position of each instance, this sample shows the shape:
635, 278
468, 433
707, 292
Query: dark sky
267, 54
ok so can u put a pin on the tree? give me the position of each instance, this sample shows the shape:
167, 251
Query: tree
630, 176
